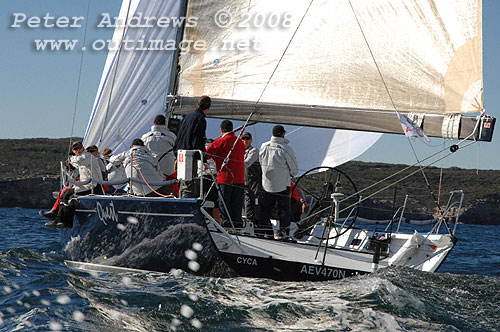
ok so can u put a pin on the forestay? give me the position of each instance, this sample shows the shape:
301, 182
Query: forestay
429, 53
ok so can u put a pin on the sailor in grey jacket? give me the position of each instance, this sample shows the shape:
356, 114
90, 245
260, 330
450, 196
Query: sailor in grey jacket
278, 164
160, 141
141, 163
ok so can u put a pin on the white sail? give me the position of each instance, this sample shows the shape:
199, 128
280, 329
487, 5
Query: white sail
429, 53
135, 81
328, 147
316, 147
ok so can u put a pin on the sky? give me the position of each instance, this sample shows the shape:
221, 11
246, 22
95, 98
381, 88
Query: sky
38, 89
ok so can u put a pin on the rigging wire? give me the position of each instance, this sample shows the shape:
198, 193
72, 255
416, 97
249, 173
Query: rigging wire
478, 158
395, 108
284, 52
410, 166
388, 186
275, 69
440, 178
226, 160
79, 78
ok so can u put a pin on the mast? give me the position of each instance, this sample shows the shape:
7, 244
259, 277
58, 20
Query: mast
174, 75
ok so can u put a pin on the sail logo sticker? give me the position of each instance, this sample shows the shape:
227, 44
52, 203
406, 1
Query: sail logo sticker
246, 261
106, 213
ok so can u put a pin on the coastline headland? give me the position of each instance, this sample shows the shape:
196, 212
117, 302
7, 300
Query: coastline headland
29, 174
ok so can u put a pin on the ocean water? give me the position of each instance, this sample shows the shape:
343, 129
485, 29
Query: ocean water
39, 293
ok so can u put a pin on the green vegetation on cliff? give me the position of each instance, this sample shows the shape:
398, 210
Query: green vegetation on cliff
32, 157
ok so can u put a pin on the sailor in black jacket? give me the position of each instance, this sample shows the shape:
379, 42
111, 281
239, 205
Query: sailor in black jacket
192, 136
192, 131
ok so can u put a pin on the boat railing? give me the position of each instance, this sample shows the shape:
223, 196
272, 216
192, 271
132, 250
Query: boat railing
67, 180
451, 212
122, 181
349, 216
400, 211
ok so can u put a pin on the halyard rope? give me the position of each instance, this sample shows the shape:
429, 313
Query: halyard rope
226, 160
436, 201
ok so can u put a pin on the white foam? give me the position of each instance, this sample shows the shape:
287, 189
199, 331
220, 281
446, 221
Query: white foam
78, 316
197, 246
187, 311
191, 255
194, 266
63, 299
55, 326
132, 220
127, 281
196, 323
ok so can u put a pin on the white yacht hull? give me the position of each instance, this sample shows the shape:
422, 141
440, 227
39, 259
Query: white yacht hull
350, 254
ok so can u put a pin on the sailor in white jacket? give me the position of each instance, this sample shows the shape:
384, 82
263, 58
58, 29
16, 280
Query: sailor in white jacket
88, 167
142, 165
279, 165
160, 141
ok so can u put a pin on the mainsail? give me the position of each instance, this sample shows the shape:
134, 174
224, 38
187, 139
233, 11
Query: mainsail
305, 63
428, 52
135, 82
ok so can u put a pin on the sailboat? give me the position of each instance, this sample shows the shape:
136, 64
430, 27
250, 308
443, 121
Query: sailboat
343, 72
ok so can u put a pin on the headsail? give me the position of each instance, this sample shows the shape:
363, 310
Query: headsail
328, 147
429, 52
135, 81
315, 147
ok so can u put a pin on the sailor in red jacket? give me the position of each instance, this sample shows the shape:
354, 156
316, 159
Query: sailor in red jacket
231, 176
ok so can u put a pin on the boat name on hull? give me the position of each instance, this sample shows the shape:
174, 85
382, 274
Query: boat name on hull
323, 271
106, 213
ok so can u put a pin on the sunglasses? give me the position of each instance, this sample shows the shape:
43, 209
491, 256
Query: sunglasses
77, 148
246, 138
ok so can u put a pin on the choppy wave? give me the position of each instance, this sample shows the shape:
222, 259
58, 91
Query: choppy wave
38, 293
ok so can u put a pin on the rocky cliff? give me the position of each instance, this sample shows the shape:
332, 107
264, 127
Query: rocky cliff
36, 193
29, 169
32, 193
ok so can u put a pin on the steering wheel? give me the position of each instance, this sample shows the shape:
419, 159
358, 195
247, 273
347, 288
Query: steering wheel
317, 186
